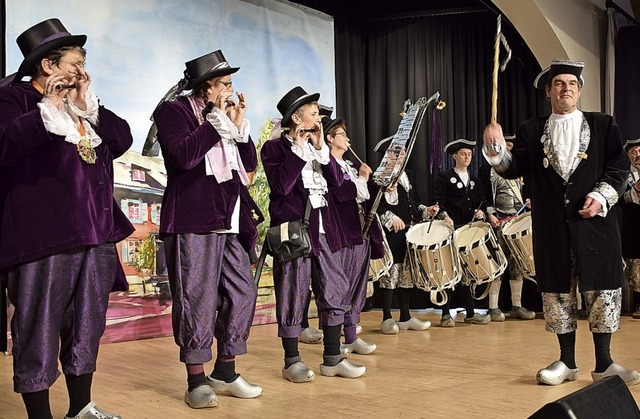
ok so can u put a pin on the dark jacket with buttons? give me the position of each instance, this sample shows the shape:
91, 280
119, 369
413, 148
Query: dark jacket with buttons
459, 201
556, 225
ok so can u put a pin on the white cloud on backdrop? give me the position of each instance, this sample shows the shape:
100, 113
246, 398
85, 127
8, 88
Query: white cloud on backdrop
136, 50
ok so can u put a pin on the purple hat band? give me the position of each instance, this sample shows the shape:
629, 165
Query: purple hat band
51, 38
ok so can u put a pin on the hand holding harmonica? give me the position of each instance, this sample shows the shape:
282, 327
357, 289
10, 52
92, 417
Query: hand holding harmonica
235, 110
224, 101
64, 86
51, 91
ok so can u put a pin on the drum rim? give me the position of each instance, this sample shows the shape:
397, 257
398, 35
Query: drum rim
486, 237
430, 246
513, 222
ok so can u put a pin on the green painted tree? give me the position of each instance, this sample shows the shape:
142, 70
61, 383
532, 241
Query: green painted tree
144, 259
259, 187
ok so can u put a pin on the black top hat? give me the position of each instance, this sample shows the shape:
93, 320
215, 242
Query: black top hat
630, 144
205, 68
42, 38
559, 67
328, 123
456, 145
293, 100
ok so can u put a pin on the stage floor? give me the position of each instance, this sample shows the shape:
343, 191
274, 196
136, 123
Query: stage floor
469, 371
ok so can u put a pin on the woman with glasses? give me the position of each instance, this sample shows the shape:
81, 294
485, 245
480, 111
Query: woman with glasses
352, 200
208, 224
58, 221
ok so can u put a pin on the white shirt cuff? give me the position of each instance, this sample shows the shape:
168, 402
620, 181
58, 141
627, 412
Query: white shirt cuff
226, 128
91, 113
603, 203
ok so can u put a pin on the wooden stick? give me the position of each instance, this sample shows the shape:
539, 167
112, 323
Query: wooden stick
354, 153
496, 65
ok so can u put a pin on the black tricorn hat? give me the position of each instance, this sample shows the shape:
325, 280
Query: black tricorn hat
328, 123
325, 110
630, 144
205, 68
42, 38
455, 145
293, 100
559, 67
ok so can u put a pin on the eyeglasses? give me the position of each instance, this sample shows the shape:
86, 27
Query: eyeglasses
81, 64
342, 133
226, 83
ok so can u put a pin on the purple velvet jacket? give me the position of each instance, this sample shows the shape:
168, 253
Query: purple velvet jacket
194, 202
288, 196
51, 200
344, 197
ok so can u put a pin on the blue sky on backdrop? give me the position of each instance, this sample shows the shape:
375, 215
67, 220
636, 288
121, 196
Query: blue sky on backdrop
136, 50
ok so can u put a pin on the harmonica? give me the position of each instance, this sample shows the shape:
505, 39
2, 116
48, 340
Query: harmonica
65, 86
309, 130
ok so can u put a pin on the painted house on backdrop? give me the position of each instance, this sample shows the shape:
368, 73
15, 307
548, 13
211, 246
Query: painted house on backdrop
145, 310
139, 186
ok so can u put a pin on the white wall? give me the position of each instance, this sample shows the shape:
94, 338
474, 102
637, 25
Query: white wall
569, 29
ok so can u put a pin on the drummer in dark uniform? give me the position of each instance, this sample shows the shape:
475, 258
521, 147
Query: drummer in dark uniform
461, 199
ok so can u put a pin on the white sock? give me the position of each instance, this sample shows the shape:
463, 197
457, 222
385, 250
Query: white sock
516, 292
494, 293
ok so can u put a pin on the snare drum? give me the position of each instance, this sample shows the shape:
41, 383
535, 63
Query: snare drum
432, 258
481, 256
517, 234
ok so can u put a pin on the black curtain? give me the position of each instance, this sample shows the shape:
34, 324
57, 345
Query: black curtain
627, 87
3, 27
381, 63
3, 286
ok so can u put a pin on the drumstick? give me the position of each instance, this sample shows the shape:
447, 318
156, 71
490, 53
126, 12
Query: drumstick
510, 217
431, 221
354, 153
473, 217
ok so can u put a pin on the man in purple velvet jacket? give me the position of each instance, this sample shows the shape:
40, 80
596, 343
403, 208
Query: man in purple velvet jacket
59, 222
208, 223
299, 169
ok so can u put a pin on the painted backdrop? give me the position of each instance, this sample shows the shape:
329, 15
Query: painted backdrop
136, 50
